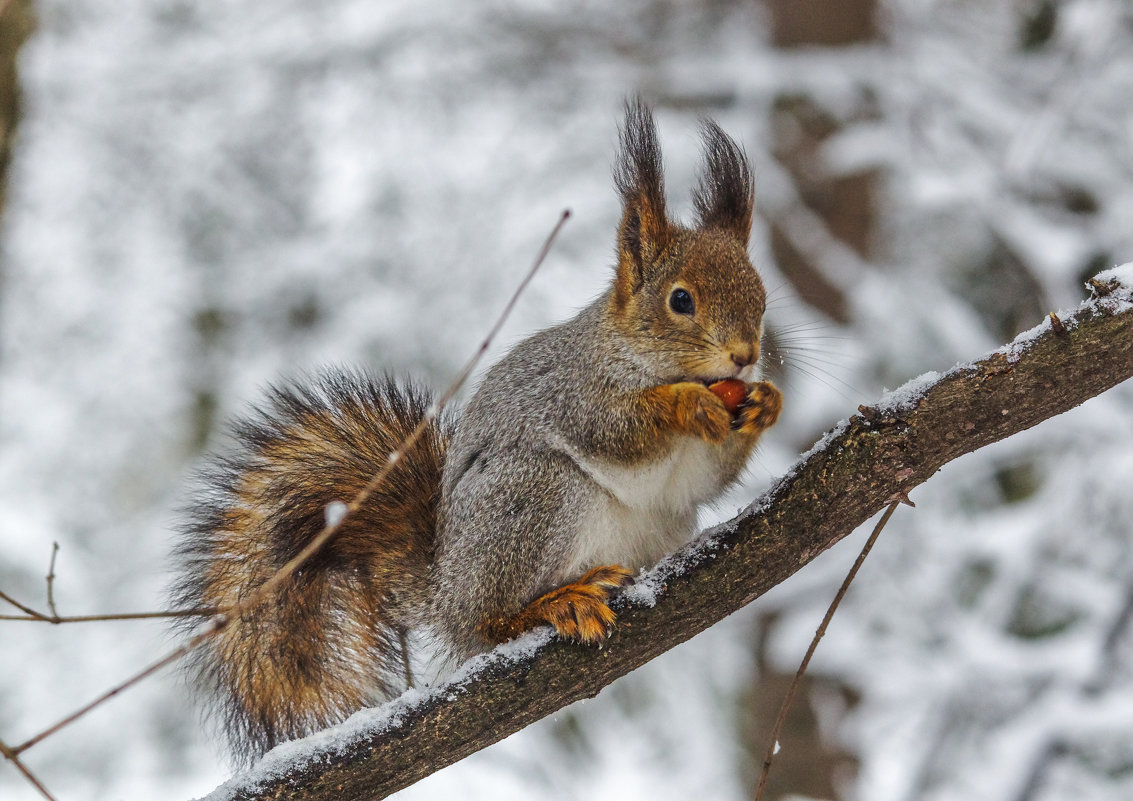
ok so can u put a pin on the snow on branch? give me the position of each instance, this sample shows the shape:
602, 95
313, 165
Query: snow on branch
862, 465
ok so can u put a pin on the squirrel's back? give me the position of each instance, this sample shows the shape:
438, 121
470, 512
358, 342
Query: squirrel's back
332, 638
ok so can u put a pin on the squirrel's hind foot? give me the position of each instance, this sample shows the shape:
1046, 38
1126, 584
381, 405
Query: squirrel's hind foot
578, 611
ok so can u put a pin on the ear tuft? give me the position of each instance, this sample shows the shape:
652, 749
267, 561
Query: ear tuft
644, 231
726, 193
638, 171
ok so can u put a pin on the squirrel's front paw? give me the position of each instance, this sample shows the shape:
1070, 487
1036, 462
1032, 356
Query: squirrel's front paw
578, 611
701, 413
761, 409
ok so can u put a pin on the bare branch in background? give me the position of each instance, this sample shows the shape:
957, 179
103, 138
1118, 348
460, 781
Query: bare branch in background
781, 718
14, 757
51, 581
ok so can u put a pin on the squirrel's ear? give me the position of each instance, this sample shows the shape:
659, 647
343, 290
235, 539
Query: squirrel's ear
644, 230
725, 195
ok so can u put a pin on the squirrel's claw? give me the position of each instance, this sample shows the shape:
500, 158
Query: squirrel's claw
761, 409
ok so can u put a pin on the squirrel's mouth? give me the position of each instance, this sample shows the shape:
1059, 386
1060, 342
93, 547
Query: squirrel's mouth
737, 375
747, 374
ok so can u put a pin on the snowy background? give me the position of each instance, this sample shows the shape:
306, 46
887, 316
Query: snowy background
208, 196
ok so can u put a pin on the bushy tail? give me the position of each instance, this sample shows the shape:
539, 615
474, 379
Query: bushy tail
331, 639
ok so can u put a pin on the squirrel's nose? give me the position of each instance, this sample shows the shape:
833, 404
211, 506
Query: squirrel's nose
744, 356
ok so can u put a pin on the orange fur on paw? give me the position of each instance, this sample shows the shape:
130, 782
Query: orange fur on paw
578, 611
700, 412
761, 409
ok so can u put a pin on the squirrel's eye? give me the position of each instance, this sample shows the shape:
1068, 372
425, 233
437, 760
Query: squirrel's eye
681, 302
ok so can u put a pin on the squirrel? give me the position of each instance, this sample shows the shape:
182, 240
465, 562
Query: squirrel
581, 459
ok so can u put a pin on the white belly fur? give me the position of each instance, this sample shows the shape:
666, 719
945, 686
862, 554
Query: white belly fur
645, 512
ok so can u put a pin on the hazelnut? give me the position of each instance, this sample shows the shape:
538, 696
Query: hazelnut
731, 391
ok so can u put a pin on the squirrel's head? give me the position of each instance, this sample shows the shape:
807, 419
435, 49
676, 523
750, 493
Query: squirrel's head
687, 300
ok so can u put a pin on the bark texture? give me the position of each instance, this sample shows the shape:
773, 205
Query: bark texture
878, 455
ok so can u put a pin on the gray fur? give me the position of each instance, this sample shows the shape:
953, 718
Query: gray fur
519, 482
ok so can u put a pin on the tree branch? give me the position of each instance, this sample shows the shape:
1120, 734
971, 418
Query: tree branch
864, 464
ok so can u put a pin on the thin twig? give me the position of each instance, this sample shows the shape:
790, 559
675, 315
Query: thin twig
36, 617
51, 581
216, 624
782, 717
13, 757
25, 609
33, 616
220, 620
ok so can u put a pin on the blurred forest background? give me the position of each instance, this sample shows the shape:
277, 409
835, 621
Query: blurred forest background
204, 197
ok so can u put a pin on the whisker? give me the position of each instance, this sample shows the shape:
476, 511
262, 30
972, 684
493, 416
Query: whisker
808, 322
707, 334
778, 293
799, 376
815, 356
803, 333
826, 378
805, 346
814, 359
